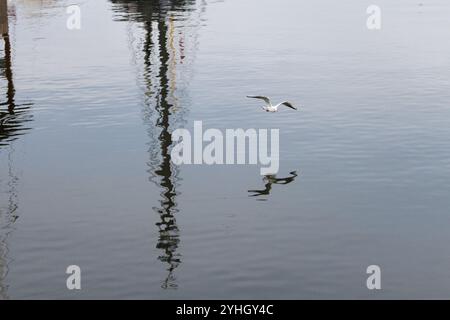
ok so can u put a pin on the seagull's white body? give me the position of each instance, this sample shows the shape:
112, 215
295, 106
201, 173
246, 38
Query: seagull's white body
272, 108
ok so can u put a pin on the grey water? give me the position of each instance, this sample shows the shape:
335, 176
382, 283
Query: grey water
86, 176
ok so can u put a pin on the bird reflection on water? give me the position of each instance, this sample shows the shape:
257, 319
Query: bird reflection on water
269, 180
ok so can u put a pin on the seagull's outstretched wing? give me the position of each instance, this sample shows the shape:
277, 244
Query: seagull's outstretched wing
288, 104
266, 100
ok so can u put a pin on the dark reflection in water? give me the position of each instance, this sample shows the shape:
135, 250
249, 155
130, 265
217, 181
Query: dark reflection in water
12, 116
147, 11
269, 180
160, 51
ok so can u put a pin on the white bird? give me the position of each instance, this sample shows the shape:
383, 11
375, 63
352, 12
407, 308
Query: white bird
271, 108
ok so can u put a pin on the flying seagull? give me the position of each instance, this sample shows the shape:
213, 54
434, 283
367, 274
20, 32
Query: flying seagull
269, 107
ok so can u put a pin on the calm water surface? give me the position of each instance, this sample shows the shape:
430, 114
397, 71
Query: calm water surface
86, 176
